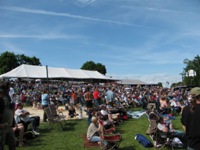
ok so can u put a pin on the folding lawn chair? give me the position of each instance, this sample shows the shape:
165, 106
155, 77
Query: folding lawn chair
151, 107
54, 112
51, 118
109, 140
107, 131
160, 139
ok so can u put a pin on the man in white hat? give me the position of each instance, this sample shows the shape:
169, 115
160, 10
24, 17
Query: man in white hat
191, 120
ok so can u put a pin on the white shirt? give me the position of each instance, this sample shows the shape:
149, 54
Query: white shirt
19, 112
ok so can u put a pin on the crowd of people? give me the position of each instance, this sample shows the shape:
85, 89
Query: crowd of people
105, 102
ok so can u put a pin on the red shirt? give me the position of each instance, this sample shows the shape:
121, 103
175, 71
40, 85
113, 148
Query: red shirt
96, 94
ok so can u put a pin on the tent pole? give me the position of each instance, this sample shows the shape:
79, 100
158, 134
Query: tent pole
47, 77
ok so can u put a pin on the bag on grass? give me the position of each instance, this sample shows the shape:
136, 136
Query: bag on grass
29, 135
143, 140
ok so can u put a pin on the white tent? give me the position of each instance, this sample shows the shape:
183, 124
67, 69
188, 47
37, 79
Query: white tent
39, 72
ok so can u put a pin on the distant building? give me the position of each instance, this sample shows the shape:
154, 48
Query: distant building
132, 82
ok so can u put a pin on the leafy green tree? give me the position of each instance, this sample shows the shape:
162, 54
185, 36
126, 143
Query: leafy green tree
90, 65
192, 65
176, 84
101, 68
9, 61
22, 59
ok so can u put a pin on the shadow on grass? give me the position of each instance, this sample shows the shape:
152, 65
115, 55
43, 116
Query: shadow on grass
127, 148
47, 128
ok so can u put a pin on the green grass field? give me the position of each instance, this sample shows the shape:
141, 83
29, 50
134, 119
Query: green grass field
71, 137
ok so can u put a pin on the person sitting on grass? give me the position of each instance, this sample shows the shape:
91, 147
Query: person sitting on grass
72, 111
164, 108
93, 131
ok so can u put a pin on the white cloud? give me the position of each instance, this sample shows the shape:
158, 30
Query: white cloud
46, 36
44, 12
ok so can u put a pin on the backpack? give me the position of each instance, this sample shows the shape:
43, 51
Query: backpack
143, 140
29, 135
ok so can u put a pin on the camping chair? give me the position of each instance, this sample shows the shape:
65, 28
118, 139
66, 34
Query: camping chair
54, 113
51, 118
151, 107
159, 138
109, 140
107, 131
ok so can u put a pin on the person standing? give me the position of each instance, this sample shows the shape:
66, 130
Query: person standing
45, 103
190, 120
2, 125
7, 120
88, 96
110, 96
96, 96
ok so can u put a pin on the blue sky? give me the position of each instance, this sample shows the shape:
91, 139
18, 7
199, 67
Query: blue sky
135, 39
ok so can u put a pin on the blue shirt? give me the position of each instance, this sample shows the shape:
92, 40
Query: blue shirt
109, 95
45, 99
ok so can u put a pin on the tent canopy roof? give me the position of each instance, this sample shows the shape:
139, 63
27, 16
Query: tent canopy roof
31, 71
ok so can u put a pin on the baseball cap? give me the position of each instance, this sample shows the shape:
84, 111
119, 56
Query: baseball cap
195, 91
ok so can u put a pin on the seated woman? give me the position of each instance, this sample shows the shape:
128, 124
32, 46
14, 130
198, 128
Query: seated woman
107, 122
72, 112
165, 125
93, 131
113, 117
164, 109
176, 106
115, 113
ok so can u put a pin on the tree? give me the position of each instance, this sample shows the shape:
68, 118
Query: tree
160, 84
9, 61
192, 65
101, 68
22, 59
90, 65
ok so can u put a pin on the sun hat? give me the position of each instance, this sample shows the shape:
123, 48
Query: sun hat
195, 91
